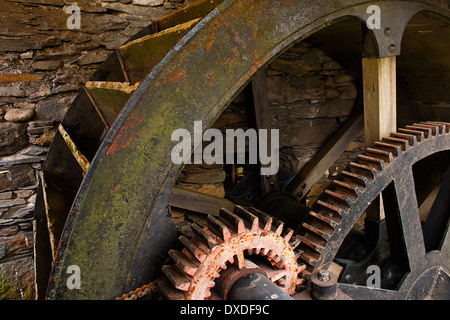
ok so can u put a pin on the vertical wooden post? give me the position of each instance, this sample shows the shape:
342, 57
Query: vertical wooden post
380, 98
380, 108
259, 115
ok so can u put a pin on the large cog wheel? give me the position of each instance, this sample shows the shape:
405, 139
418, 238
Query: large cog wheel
232, 239
387, 167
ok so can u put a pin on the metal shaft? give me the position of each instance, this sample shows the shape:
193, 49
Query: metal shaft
257, 286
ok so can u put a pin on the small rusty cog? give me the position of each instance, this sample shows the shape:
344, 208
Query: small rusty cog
240, 240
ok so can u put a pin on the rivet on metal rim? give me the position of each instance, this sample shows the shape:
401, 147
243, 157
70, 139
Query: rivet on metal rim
392, 48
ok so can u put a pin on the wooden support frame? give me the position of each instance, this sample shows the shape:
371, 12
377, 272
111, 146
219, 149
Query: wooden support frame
380, 108
199, 202
259, 118
380, 98
329, 153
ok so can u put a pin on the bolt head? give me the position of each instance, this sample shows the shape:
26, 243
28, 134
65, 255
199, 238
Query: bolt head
387, 32
392, 48
324, 275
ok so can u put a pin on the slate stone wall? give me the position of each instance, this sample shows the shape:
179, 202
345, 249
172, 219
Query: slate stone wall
43, 64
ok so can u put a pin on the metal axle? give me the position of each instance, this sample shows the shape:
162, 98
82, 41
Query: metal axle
257, 286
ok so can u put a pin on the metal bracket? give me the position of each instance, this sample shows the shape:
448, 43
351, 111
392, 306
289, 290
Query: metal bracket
383, 39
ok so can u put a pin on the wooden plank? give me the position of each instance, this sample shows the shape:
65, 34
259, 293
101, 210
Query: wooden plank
330, 152
198, 202
42, 247
427, 204
81, 159
380, 106
109, 97
20, 77
85, 125
259, 118
153, 48
195, 10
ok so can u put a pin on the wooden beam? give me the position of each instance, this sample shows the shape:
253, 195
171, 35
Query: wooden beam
380, 98
20, 77
81, 159
259, 118
198, 202
109, 98
380, 109
330, 152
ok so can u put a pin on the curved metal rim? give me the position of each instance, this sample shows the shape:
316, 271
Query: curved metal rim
143, 127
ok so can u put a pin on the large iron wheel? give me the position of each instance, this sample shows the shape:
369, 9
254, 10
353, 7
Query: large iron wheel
409, 242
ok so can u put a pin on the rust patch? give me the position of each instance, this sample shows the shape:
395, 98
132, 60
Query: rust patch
127, 133
209, 78
178, 75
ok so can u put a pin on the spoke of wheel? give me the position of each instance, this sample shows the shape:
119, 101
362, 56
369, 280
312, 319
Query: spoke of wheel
411, 229
435, 229
367, 293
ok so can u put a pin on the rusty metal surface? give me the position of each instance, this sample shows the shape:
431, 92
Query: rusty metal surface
121, 207
232, 241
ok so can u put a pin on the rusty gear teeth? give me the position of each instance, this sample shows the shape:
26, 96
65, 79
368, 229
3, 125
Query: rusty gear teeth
232, 238
336, 202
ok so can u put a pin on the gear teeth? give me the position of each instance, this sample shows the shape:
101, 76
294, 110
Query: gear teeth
412, 140
345, 188
298, 253
434, 129
314, 241
310, 256
392, 148
277, 275
330, 207
206, 236
377, 164
330, 218
277, 226
264, 219
350, 177
198, 253
294, 242
425, 130
445, 125
249, 218
420, 136
363, 170
402, 143
300, 281
177, 277
386, 156
187, 265
339, 198
212, 239
231, 219
288, 234
219, 228
321, 229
